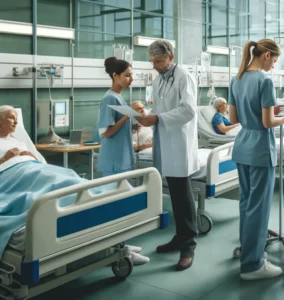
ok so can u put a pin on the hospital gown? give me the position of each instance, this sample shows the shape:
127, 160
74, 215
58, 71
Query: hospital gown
143, 136
220, 119
9, 143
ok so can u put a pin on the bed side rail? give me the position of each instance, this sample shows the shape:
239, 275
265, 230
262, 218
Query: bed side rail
42, 237
222, 172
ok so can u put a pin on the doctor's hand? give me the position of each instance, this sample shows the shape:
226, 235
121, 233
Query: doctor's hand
27, 153
147, 121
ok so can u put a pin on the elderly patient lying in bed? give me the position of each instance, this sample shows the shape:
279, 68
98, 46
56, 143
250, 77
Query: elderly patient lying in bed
23, 179
221, 122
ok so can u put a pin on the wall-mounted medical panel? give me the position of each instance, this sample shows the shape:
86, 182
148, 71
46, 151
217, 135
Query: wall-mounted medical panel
16, 72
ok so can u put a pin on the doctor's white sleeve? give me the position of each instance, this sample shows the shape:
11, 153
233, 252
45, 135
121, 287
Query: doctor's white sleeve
187, 106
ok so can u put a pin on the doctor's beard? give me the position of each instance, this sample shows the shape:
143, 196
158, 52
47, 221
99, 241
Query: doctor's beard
166, 68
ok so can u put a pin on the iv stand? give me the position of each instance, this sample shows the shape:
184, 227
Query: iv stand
279, 237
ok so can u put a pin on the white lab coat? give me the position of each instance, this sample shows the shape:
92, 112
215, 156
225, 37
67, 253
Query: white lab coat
175, 137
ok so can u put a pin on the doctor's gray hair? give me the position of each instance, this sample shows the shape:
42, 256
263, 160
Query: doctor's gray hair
161, 48
4, 109
218, 101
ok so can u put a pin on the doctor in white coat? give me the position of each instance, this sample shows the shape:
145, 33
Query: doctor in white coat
175, 144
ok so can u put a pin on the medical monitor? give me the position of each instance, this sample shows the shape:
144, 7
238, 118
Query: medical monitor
53, 113
60, 113
60, 108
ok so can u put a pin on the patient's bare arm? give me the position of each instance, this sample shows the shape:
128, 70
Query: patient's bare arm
10, 154
27, 153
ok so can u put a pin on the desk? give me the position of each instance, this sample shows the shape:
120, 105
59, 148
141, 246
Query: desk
66, 150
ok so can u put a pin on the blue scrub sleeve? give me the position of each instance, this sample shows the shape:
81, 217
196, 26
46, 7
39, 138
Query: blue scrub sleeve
268, 94
107, 115
232, 100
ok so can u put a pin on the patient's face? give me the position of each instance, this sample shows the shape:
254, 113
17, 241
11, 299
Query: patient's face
139, 107
9, 123
222, 107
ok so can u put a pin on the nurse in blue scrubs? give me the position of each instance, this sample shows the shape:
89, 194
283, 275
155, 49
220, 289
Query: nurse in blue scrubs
116, 153
252, 104
115, 130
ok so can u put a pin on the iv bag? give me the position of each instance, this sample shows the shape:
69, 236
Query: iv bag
149, 91
205, 61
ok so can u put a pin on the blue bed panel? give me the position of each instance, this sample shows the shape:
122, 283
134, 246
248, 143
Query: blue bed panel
227, 166
29, 272
100, 214
164, 220
210, 190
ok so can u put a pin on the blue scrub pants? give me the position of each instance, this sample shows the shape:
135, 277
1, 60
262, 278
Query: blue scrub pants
256, 191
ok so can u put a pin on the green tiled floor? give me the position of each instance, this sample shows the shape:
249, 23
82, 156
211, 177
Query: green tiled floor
214, 274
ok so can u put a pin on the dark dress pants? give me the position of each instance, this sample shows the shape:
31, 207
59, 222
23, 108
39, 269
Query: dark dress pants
184, 211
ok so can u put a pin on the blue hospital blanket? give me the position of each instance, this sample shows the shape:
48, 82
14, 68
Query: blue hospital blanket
21, 185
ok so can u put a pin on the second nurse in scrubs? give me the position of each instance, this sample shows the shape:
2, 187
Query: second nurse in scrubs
252, 103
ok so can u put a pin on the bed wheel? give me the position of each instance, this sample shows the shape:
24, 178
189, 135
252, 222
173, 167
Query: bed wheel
122, 268
237, 252
204, 223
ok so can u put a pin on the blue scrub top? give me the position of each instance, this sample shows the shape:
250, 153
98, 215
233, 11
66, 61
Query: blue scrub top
219, 119
116, 152
255, 145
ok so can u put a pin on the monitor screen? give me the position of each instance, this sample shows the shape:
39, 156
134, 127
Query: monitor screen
60, 108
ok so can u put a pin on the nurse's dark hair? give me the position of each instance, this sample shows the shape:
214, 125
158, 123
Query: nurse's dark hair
117, 66
260, 47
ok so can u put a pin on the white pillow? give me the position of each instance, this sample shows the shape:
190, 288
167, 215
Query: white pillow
208, 112
21, 135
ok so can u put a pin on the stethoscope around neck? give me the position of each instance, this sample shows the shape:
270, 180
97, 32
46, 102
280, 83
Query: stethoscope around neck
166, 91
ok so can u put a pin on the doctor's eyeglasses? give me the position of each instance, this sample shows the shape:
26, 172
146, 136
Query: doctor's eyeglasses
158, 61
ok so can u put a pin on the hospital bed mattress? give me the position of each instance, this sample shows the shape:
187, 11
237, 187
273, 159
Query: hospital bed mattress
17, 240
145, 160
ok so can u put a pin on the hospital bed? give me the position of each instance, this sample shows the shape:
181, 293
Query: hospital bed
217, 175
57, 239
208, 138
59, 244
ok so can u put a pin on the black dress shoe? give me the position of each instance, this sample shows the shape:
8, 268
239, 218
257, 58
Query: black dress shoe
184, 263
169, 247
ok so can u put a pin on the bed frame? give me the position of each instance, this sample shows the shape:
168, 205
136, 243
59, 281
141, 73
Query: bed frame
94, 224
222, 176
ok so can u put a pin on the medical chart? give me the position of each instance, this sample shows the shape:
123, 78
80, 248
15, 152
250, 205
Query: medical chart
125, 110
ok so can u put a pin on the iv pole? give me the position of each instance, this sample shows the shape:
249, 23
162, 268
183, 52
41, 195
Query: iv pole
279, 237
